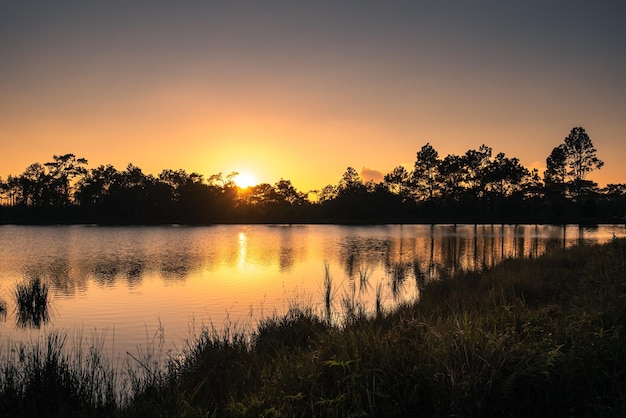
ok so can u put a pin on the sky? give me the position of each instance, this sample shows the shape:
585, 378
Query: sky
301, 90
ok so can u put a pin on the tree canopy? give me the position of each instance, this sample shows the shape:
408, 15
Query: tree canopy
471, 187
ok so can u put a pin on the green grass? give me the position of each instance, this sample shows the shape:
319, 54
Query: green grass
528, 337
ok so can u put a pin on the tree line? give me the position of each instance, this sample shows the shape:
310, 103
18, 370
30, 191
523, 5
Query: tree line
472, 187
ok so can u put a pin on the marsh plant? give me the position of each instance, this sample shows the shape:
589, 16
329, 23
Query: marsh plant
328, 291
32, 299
379, 299
364, 279
349, 302
3, 310
58, 376
398, 275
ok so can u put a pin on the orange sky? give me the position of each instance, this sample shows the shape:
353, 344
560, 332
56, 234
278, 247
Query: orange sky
302, 91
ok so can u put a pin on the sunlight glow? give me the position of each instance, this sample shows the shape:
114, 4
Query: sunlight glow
243, 246
245, 180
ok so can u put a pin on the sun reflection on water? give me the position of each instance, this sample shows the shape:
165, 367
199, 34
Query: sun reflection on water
242, 250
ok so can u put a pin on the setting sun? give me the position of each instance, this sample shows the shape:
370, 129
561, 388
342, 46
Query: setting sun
245, 180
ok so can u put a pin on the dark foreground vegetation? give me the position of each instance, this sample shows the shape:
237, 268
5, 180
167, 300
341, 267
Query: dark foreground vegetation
475, 187
544, 336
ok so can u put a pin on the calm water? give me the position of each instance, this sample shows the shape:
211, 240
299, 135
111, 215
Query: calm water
124, 283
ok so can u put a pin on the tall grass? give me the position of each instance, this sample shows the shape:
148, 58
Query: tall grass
32, 302
328, 292
379, 299
528, 337
398, 276
48, 378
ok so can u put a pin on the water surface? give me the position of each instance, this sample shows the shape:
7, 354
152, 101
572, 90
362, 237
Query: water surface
126, 283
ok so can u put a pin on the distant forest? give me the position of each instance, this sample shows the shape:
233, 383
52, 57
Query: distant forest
475, 187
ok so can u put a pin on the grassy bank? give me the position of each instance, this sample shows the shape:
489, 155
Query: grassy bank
544, 336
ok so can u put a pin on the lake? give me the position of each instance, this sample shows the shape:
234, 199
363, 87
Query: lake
126, 286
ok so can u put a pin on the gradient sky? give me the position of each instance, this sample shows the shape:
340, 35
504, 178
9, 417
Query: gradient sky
302, 90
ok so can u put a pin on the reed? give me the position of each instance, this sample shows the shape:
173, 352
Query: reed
48, 378
33, 303
364, 279
349, 302
397, 276
379, 300
328, 292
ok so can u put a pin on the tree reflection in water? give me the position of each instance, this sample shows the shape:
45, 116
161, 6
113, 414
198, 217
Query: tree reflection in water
427, 253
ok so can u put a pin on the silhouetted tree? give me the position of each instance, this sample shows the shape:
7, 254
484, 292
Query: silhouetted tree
224, 181
425, 172
533, 186
33, 184
12, 191
61, 171
94, 188
222, 197
476, 163
328, 193
355, 201
581, 159
615, 190
176, 179
554, 179
4, 192
504, 175
261, 194
613, 199
130, 198
473, 187
285, 192
350, 182
555, 166
197, 202
581, 154
399, 182
451, 173
288, 200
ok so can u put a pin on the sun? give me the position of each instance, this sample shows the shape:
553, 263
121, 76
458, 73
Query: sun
245, 180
